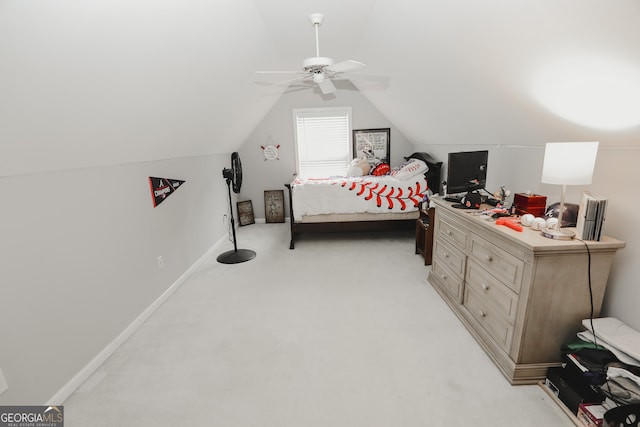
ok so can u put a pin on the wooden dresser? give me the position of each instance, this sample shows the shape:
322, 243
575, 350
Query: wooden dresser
521, 295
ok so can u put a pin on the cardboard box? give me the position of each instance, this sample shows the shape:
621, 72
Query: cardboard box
591, 415
535, 204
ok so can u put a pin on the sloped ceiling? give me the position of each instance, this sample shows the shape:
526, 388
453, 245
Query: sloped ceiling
85, 84
472, 72
90, 83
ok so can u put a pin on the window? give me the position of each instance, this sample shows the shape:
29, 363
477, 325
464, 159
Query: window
323, 141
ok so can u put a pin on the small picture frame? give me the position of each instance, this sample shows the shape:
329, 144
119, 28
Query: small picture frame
274, 206
245, 213
376, 140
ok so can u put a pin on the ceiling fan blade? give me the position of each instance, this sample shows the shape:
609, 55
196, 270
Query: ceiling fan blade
327, 86
280, 72
294, 88
286, 82
299, 73
344, 66
368, 77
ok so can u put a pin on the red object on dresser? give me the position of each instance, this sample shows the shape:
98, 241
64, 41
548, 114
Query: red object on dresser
533, 204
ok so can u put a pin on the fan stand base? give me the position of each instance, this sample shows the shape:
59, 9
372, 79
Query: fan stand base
236, 256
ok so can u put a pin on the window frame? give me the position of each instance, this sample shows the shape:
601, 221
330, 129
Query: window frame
319, 112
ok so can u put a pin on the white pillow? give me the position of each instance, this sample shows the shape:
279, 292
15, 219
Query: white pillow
409, 169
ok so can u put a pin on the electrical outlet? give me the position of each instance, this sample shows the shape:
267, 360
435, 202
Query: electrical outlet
160, 262
3, 383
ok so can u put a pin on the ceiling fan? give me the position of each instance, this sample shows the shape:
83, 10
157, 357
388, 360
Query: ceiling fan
320, 70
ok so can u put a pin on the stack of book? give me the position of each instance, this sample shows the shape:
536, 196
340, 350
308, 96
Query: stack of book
591, 214
600, 371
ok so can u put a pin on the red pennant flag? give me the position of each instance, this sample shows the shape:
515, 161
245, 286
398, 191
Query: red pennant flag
161, 188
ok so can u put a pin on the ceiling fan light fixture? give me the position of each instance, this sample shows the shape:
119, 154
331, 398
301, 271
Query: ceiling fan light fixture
316, 63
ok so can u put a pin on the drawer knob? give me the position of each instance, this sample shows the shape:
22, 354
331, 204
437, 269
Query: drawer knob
488, 258
485, 287
482, 313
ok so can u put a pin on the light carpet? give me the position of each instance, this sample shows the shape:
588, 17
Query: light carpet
342, 331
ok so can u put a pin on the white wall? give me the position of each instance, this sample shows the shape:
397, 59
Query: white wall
78, 260
261, 175
519, 167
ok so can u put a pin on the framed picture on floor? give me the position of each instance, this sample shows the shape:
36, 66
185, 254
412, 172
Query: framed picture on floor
376, 140
274, 206
245, 213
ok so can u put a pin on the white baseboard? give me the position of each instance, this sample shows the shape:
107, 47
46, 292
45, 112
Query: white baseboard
86, 372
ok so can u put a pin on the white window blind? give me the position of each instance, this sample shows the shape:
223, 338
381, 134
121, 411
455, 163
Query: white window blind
323, 141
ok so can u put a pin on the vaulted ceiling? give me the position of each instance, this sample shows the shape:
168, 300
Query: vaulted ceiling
90, 83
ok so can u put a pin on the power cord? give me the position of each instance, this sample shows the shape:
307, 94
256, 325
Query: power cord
593, 331
606, 386
225, 218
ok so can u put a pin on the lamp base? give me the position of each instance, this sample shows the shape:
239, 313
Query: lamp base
559, 234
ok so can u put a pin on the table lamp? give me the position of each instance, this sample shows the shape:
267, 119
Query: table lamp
567, 163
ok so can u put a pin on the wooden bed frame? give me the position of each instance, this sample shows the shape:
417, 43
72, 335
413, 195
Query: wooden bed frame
343, 226
432, 175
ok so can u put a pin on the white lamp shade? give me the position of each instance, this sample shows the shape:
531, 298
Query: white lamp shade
569, 163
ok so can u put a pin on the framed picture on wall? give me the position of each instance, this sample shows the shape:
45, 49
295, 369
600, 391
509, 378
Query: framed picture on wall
376, 140
274, 206
245, 212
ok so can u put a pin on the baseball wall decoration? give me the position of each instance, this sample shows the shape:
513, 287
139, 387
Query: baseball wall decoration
270, 152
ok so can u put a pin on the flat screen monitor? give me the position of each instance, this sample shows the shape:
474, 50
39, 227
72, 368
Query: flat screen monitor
467, 171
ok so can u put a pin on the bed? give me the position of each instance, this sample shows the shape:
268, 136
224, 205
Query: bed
362, 203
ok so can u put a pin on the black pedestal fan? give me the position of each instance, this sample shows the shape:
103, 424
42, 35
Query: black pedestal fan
234, 178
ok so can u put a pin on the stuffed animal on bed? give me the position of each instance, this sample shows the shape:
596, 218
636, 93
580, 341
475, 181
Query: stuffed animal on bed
371, 158
358, 167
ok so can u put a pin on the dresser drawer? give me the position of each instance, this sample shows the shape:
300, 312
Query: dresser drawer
450, 256
484, 313
452, 231
502, 264
504, 301
447, 279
